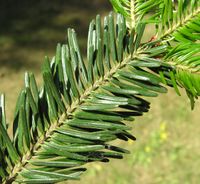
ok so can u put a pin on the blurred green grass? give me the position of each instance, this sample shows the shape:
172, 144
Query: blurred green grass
167, 147
166, 150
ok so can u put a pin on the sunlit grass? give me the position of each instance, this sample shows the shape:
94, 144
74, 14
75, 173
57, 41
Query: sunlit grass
166, 150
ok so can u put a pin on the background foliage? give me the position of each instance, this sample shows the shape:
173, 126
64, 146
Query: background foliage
171, 137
